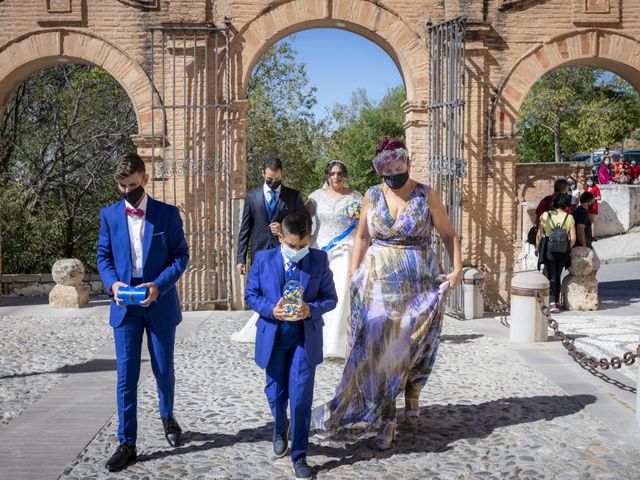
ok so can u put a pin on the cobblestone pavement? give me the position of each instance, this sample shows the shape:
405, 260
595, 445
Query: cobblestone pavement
37, 352
485, 414
603, 336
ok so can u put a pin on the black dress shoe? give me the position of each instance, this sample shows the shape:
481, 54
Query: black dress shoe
172, 431
301, 469
125, 455
281, 442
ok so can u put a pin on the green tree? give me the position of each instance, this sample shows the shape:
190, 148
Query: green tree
63, 129
575, 109
360, 125
281, 121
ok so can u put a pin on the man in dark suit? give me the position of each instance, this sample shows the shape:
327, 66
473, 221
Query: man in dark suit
142, 243
264, 209
290, 347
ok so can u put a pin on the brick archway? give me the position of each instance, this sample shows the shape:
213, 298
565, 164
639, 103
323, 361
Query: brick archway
369, 19
594, 48
33, 51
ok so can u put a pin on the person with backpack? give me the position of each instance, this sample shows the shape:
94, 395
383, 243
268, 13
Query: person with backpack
556, 237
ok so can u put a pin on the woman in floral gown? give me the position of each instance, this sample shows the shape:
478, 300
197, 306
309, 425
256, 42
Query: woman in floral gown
396, 302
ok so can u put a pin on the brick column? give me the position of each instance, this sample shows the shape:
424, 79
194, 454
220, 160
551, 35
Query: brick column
1, 162
417, 136
498, 234
239, 130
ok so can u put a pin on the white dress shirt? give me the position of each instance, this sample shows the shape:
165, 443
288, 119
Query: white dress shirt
136, 236
266, 190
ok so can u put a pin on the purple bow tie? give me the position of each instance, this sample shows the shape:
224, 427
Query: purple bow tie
136, 212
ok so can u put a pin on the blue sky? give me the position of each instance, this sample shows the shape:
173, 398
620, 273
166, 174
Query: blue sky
340, 62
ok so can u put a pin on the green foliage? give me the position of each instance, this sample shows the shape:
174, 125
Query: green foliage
63, 128
360, 126
281, 122
576, 109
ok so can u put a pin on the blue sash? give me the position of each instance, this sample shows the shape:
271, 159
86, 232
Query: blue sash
336, 240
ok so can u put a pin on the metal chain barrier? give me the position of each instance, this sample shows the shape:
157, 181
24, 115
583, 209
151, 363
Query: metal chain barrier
628, 358
502, 308
583, 358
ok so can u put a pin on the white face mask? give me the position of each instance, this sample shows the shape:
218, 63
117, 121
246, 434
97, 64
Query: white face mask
295, 255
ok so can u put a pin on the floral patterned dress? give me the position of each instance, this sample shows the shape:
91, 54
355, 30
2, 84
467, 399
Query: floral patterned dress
396, 319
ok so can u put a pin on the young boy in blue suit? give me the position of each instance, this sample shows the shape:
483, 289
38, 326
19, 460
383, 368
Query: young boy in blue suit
290, 348
142, 243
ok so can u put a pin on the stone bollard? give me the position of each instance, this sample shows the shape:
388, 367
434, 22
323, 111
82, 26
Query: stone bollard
69, 292
638, 399
472, 287
580, 287
528, 324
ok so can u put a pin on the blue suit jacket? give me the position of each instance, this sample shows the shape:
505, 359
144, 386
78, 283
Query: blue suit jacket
164, 257
264, 290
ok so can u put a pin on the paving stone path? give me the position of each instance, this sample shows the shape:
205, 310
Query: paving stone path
485, 414
37, 353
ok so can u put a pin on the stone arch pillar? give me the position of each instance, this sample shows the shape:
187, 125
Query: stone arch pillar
417, 133
239, 126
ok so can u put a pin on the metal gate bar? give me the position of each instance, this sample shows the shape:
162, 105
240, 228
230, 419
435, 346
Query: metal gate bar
194, 88
445, 120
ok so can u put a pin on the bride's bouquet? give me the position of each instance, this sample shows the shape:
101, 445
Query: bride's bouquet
352, 211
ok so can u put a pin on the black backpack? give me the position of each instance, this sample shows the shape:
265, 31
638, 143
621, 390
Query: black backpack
558, 241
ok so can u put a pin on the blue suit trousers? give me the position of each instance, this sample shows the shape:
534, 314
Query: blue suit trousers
290, 379
128, 342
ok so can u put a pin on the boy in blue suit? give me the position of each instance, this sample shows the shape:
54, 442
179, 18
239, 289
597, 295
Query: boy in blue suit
141, 243
290, 348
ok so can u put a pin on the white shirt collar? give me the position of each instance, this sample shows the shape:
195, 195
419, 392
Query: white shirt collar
266, 189
142, 206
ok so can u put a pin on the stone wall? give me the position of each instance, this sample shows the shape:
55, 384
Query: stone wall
619, 209
535, 180
39, 285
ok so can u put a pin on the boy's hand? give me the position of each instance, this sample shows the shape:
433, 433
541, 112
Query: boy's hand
114, 290
305, 311
154, 293
278, 311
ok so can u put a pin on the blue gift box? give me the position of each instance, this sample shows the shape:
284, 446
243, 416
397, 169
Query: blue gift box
132, 295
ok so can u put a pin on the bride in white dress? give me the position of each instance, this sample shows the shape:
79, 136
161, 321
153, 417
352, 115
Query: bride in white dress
334, 232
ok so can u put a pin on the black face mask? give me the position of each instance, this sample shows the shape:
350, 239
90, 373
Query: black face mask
273, 184
397, 181
134, 196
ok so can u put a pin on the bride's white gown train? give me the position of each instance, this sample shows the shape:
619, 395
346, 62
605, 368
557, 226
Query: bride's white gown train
328, 224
